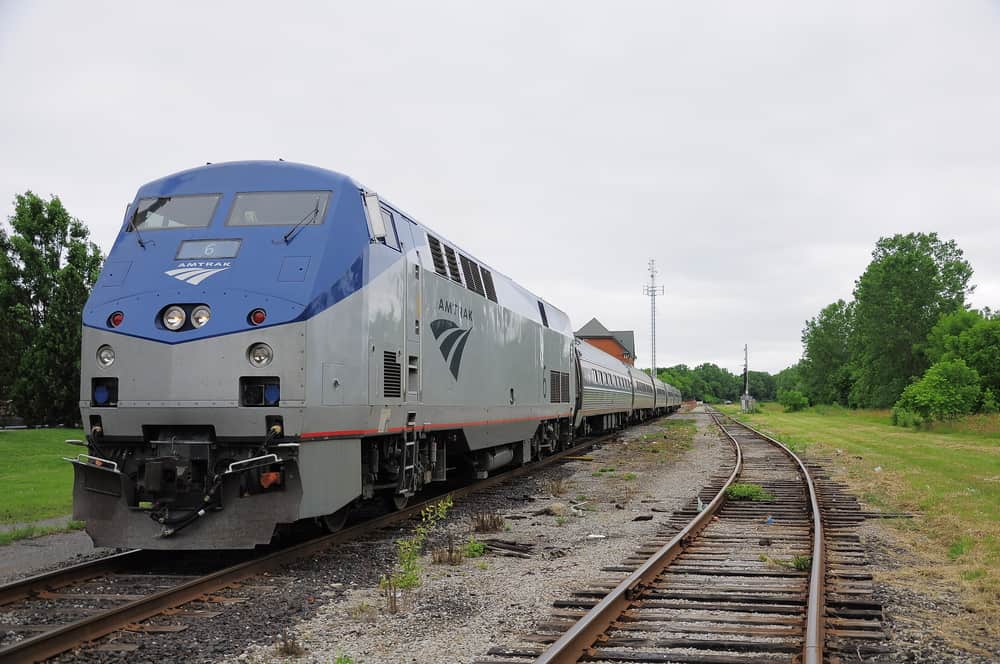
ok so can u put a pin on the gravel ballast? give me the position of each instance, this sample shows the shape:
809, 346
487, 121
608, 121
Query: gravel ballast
461, 611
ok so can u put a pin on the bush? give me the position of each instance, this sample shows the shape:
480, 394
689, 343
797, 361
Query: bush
948, 390
792, 400
989, 402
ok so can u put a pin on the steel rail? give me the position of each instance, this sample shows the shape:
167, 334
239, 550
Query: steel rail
580, 638
63, 638
812, 650
22, 588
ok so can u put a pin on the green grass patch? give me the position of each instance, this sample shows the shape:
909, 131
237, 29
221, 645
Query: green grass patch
740, 491
37, 483
10, 536
629, 476
948, 473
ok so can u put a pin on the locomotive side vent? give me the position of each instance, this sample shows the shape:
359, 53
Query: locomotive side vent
452, 264
488, 283
437, 255
472, 278
559, 393
392, 376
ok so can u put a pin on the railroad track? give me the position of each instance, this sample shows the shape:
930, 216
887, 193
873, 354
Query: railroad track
725, 581
123, 590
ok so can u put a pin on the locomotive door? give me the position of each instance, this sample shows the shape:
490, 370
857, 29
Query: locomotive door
414, 294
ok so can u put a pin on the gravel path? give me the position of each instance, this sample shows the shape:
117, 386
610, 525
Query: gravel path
461, 611
26, 557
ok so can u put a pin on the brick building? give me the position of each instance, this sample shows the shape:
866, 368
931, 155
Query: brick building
620, 343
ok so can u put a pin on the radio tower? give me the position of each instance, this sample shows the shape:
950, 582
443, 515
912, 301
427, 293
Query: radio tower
652, 290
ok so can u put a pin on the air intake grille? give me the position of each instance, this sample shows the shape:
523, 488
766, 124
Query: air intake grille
452, 264
392, 376
472, 279
437, 255
559, 391
488, 284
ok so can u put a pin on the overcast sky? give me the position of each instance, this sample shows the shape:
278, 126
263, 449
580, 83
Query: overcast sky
756, 150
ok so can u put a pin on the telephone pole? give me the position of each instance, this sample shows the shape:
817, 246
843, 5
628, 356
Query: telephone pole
652, 290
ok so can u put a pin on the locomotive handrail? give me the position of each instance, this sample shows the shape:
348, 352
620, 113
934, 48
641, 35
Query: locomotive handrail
273, 459
98, 462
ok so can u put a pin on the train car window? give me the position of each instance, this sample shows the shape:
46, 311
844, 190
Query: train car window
278, 208
452, 264
491, 292
169, 212
391, 238
437, 255
541, 310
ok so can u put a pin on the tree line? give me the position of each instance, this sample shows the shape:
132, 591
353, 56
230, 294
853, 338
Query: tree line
712, 384
47, 267
907, 340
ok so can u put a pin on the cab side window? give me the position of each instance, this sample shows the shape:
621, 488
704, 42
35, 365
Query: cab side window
391, 238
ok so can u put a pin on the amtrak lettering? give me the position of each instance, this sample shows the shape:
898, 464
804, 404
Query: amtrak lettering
455, 309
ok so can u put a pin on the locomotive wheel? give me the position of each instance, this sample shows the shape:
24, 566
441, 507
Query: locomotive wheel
396, 501
334, 522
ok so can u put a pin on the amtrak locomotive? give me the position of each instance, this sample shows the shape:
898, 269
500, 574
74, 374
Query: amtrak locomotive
270, 342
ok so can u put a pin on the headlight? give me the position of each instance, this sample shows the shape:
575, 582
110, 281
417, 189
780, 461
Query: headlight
173, 318
105, 356
260, 355
200, 315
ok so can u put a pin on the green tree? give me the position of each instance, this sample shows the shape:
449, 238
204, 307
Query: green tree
792, 400
825, 366
762, 386
789, 378
911, 281
942, 340
979, 347
47, 267
947, 391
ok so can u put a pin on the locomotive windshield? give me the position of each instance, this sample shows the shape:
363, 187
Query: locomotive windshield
166, 212
278, 208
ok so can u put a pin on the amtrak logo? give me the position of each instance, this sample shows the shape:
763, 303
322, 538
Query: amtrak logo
451, 339
198, 271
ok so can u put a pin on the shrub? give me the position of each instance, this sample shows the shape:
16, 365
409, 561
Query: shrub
474, 548
792, 400
989, 402
948, 390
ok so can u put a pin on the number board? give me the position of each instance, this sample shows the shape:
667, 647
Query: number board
194, 249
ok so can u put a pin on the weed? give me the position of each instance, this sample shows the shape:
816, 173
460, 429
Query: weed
973, 574
289, 646
482, 565
960, 547
451, 554
561, 520
629, 476
406, 575
474, 548
488, 522
802, 563
363, 612
740, 491
581, 498
607, 469
557, 486
343, 659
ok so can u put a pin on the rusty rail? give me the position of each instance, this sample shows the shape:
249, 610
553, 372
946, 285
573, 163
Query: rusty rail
812, 651
575, 643
579, 640
63, 638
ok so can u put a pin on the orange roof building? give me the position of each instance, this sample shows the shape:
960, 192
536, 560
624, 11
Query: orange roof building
619, 343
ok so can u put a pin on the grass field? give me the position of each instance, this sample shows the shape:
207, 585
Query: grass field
949, 474
35, 482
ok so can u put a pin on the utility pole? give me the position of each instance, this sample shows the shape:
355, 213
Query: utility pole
747, 403
652, 290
